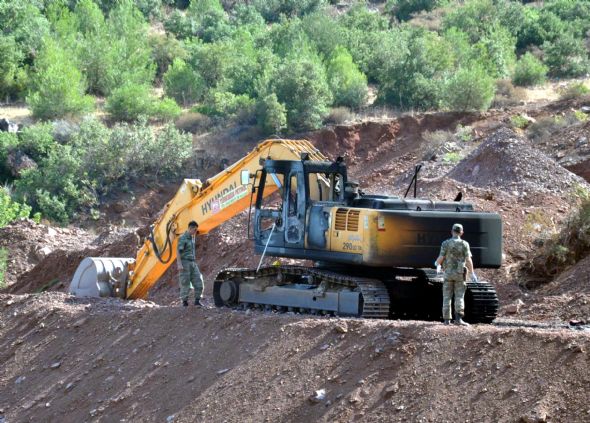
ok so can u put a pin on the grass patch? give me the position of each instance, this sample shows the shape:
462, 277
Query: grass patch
517, 121
452, 157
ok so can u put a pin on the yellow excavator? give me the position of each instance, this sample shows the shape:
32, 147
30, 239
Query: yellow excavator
372, 254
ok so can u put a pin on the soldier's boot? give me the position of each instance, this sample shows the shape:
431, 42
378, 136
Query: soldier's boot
198, 302
447, 322
459, 321
185, 303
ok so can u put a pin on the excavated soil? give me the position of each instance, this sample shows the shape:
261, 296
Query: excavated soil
82, 360
67, 359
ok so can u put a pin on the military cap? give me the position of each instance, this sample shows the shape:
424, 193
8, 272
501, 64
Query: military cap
457, 227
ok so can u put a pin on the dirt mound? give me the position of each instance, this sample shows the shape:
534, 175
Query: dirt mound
81, 360
29, 243
508, 162
56, 270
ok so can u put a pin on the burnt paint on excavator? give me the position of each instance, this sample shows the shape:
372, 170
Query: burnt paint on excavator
378, 231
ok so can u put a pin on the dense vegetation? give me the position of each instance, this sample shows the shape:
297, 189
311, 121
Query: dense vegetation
281, 65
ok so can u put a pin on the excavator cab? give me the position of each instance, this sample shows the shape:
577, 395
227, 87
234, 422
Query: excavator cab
280, 220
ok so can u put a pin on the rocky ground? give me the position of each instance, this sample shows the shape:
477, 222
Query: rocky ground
67, 359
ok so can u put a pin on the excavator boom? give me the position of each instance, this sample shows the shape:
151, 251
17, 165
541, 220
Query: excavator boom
211, 203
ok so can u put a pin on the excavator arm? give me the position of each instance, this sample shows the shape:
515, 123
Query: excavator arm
211, 203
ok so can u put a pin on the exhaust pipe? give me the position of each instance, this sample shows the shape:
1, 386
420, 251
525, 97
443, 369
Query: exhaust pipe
101, 277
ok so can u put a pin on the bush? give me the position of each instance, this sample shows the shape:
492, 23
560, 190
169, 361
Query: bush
470, 89
183, 84
403, 10
566, 56
507, 95
165, 49
131, 101
543, 128
58, 85
271, 115
59, 186
227, 105
574, 90
339, 115
10, 209
518, 121
347, 82
193, 122
570, 245
529, 71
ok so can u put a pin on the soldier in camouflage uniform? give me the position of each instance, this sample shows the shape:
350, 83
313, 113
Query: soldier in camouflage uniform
188, 271
454, 256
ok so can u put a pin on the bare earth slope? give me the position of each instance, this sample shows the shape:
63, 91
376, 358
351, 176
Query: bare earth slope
72, 360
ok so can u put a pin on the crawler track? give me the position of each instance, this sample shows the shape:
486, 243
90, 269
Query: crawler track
419, 298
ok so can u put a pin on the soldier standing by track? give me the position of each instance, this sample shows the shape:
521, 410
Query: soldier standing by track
454, 256
188, 271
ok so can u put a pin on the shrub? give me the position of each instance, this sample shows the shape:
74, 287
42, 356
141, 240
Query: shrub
347, 82
271, 115
131, 101
10, 209
165, 49
58, 85
59, 186
166, 110
544, 127
507, 95
518, 121
570, 245
339, 115
566, 56
452, 157
574, 90
193, 122
404, 9
183, 84
529, 71
225, 104
470, 89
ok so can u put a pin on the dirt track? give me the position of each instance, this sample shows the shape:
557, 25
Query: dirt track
75, 360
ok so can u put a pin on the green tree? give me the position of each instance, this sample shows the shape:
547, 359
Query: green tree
58, 85
529, 71
300, 84
12, 75
347, 82
23, 20
271, 115
566, 56
183, 84
414, 70
470, 89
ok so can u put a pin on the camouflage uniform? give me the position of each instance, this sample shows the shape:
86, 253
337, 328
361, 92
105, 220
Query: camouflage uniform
190, 273
455, 252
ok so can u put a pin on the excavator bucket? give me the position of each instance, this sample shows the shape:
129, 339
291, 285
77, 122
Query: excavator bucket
101, 277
